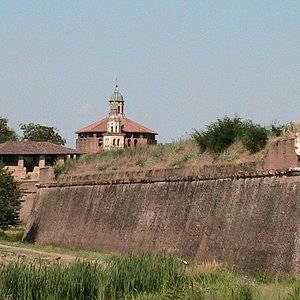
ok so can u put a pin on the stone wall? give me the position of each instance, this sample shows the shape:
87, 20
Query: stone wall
281, 155
245, 215
29, 188
241, 215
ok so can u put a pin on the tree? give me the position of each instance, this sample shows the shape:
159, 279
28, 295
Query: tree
6, 133
41, 133
255, 136
219, 135
10, 200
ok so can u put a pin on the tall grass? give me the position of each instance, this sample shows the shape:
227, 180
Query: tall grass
119, 278
143, 274
143, 277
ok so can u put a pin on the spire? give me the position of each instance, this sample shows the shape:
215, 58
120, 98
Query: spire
116, 102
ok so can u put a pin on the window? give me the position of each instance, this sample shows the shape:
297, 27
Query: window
135, 142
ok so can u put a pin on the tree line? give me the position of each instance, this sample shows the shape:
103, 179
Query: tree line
31, 132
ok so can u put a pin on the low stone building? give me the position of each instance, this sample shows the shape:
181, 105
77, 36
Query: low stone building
114, 132
25, 158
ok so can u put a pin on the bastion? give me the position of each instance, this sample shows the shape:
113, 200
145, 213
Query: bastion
244, 215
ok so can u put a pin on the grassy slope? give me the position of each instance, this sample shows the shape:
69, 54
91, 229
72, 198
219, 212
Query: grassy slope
174, 155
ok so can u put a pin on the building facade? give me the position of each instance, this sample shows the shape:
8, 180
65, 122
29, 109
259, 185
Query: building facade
115, 131
25, 159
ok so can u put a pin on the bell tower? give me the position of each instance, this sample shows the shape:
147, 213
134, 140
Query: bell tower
116, 103
114, 138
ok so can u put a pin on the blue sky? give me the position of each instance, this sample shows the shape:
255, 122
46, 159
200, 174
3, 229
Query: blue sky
180, 64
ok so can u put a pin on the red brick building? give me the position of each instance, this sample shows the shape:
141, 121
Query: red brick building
115, 131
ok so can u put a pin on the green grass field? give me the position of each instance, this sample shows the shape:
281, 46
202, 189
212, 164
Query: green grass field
140, 277
101, 276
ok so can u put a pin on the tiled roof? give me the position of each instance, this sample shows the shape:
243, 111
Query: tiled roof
30, 148
127, 126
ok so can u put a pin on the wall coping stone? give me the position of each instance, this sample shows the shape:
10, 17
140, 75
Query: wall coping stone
230, 171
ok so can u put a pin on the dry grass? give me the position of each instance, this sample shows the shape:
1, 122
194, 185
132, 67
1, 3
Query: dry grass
183, 153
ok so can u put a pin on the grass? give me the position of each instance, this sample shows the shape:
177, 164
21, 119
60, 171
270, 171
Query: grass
179, 154
120, 278
12, 235
143, 277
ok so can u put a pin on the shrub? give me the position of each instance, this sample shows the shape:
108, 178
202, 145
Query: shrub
61, 167
276, 130
254, 137
291, 127
10, 200
221, 134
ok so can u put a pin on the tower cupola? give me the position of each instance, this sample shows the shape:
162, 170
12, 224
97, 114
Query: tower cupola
117, 103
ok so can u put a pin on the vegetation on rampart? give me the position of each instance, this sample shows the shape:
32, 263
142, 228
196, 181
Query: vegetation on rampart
224, 141
221, 134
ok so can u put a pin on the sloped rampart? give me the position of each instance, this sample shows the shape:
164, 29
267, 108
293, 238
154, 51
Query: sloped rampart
241, 215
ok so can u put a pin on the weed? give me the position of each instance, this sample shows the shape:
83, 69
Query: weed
181, 160
102, 167
141, 162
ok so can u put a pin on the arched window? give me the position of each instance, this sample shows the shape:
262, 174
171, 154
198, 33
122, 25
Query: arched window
114, 142
118, 142
129, 142
135, 142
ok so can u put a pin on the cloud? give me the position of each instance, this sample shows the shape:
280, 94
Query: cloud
83, 109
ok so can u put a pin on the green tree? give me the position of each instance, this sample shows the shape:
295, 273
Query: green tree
6, 133
10, 200
41, 133
219, 135
254, 137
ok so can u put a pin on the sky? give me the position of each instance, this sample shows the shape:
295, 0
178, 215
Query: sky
180, 65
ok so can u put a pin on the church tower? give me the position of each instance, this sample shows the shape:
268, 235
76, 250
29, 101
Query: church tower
114, 138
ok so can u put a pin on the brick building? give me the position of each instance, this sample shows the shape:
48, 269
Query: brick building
115, 131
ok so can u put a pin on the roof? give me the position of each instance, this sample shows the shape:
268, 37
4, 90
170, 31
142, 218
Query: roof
34, 148
117, 96
127, 126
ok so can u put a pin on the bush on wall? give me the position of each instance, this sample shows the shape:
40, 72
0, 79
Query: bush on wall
219, 135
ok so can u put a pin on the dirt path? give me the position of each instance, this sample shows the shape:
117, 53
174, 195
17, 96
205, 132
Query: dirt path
6, 250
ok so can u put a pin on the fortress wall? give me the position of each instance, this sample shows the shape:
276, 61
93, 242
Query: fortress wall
281, 154
249, 218
29, 191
